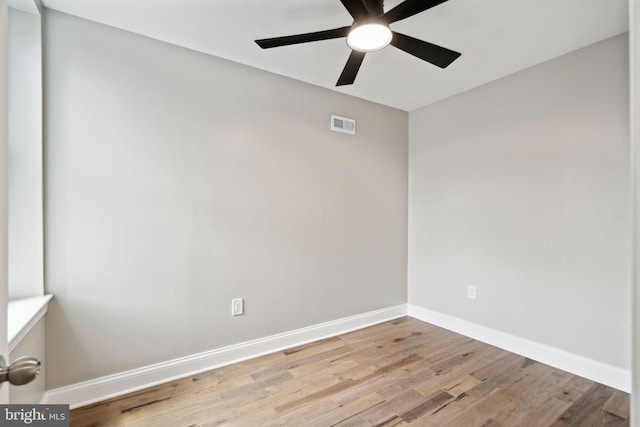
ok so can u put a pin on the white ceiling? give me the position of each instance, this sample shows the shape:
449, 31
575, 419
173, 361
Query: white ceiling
495, 37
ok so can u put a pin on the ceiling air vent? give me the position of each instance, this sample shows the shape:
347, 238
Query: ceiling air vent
342, 124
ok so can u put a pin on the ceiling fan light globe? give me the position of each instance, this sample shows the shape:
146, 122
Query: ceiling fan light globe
369, 37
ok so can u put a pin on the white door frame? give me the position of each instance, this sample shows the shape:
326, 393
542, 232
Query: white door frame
4, 35
634, 79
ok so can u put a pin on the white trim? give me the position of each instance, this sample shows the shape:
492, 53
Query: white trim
22, 315
92, 391
579, 365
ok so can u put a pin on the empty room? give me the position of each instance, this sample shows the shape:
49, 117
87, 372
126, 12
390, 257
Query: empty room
318, 213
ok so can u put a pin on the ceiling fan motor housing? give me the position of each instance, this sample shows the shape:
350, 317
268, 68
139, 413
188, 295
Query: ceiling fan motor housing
377, 6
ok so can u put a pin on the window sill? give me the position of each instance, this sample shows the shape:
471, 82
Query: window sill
22, 315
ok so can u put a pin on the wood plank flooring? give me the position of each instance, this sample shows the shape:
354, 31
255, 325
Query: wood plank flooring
398, 373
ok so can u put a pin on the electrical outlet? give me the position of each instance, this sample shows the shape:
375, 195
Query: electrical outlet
237, 307
471, 292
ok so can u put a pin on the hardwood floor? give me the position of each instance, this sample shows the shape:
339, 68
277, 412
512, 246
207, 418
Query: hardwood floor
398, 373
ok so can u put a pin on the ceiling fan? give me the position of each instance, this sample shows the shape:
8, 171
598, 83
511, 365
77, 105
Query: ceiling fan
370, 32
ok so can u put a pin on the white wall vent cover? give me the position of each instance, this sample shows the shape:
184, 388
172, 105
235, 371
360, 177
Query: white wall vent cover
342, 124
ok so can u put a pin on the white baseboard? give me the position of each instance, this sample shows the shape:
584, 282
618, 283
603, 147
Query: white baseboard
92, 391
579, 365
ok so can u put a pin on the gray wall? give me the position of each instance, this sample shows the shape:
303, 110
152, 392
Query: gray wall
177, 181
521, 188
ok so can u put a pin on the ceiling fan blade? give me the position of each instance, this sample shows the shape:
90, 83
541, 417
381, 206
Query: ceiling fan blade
303, 38
409, 8
434, 54
356, 8
350, 70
